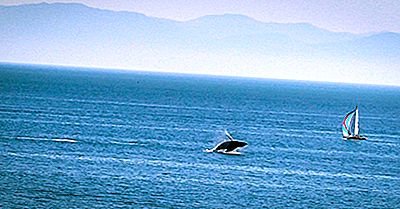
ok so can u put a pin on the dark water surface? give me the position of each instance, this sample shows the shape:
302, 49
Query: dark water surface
78, 138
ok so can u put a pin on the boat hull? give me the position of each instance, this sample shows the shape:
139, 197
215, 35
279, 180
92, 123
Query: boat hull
357, 137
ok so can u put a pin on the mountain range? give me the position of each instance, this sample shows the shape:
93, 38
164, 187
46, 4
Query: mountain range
230, 44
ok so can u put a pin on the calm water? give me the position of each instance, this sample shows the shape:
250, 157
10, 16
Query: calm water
140, 139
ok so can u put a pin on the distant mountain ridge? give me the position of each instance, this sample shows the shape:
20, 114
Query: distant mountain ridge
230, 44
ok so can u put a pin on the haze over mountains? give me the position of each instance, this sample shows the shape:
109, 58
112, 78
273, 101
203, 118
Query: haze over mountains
235, 45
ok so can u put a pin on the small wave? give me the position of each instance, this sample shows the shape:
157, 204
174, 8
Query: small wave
334, 152
24, 138
71, 140
384, 143
385, 136
267, 170
108, 125
64, 140
125, 143
167, 106
29, 138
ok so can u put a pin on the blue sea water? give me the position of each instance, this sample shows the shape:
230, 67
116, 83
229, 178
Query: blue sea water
87, 138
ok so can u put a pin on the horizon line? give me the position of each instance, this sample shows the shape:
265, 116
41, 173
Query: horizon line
119, 69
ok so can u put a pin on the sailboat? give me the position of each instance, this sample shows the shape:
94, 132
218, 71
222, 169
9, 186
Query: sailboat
350, 126
228, 147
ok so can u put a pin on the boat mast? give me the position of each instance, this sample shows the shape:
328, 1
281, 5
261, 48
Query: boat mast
356, 129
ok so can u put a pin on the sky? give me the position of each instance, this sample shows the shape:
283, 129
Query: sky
373, 57
356, 16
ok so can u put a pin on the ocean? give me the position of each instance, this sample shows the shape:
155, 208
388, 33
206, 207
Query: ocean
95, 138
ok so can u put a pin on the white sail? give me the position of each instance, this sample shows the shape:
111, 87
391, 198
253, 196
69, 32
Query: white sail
356, 129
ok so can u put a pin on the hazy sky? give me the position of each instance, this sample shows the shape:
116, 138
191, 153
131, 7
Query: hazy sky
357, 16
